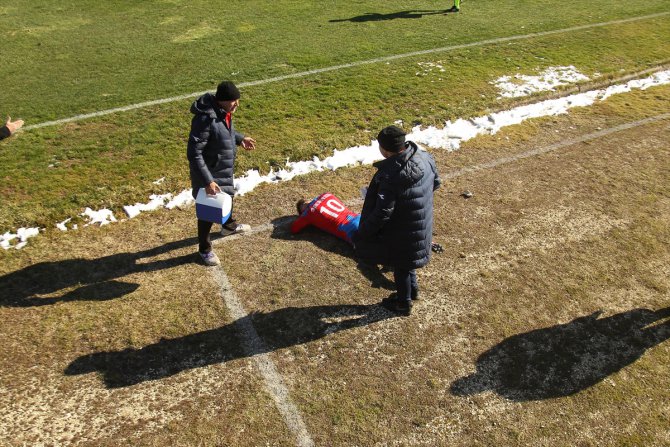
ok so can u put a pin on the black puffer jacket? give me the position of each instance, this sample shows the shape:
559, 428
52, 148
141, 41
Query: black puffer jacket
211, 146
396, 226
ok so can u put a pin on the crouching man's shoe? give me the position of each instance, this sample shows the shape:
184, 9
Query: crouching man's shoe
400, 307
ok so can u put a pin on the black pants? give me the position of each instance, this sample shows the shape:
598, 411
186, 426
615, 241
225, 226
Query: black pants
204, 242
405, 283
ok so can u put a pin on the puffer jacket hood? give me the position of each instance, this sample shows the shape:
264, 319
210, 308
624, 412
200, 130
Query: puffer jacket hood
398, 170
204, 106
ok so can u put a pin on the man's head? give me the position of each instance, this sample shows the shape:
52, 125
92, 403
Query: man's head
227, 96
391, 141
301, 205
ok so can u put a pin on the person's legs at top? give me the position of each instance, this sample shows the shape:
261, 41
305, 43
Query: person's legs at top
456, 7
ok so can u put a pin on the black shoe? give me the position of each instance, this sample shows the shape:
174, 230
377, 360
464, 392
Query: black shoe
453, 9
415, 295
400, 307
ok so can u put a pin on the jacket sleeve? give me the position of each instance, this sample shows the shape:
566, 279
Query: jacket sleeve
375, 221
197, 140
238, 138
4, 132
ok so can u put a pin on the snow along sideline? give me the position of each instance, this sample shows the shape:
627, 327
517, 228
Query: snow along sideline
448, 138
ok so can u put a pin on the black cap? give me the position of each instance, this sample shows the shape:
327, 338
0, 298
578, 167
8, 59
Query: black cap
391, 139
227, 91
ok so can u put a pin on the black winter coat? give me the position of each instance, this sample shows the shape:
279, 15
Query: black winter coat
211, 146
396, 226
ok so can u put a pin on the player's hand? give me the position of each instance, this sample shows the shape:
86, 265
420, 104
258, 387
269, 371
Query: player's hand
249, 143
212, 189
13, 126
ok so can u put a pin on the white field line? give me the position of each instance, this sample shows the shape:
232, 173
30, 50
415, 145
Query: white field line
256, 349
555, 146
344, 66
282, 223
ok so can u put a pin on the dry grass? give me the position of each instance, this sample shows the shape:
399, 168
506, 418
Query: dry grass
537, 327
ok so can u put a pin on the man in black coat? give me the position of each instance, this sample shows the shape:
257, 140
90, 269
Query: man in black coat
396, 227
211, 151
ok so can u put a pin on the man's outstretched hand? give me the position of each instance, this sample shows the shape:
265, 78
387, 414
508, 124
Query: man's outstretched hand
248, 143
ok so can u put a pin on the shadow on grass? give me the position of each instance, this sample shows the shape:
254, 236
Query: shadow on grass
327, 242
565, 359
84, 279
276, 330
377, 17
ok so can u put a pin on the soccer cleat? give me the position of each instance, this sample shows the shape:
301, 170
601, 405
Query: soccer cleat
210, 259
453, 9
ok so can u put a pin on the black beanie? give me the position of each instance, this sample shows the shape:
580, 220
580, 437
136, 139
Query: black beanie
391, 139
226, 91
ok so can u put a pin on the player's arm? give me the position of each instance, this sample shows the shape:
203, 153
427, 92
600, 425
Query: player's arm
301, 222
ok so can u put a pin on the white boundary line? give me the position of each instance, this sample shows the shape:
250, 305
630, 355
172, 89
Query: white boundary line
343, 66
256, 349
555, 146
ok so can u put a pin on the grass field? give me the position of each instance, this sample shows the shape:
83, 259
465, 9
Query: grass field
112, 161
544, 322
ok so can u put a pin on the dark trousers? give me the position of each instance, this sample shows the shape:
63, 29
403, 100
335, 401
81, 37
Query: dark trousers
405, 283
204, 242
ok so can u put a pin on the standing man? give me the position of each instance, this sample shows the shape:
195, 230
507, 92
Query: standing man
211, 151
10, 127
396, 227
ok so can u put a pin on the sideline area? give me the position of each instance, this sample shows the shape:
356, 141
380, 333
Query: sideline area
545, 320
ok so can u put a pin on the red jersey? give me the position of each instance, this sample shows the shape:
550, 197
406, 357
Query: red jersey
328, 213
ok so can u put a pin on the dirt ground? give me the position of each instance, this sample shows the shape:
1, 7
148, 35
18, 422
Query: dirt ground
544, 322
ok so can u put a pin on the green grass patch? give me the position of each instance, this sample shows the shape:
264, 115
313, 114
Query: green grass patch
52, 173
65, 58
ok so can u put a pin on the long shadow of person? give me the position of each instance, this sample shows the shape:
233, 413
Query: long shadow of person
92, 279
376, 17
273, 330
565, 359
327, 242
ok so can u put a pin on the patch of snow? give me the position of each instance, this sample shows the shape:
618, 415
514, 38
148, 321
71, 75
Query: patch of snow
101, 217
523, 85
